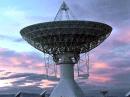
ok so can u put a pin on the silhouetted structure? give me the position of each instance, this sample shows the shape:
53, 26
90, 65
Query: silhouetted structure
18, 94
104, 92
43, 94
128, 94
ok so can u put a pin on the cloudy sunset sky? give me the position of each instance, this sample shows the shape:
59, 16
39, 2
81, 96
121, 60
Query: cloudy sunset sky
21, 66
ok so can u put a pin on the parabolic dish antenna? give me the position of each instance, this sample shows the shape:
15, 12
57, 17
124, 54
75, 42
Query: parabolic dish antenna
64, 40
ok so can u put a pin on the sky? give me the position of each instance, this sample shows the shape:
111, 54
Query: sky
22, 67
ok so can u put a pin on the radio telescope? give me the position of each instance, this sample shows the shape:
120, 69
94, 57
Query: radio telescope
65, 40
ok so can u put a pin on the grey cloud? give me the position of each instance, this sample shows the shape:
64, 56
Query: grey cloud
10, 54
2, 70
122, 79
16, 89
5, 72
18, 85
110, 11
30, 77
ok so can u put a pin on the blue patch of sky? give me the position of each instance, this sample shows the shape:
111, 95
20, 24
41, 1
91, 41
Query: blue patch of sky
17, 14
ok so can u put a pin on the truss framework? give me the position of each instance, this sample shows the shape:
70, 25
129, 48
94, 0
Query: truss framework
66, 36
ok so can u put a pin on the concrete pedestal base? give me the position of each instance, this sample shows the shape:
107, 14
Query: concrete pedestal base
67, 86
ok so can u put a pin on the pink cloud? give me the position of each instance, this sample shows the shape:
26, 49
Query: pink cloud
99, 79
47, 84
19, 62
15, 61
124, 35
100, 65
